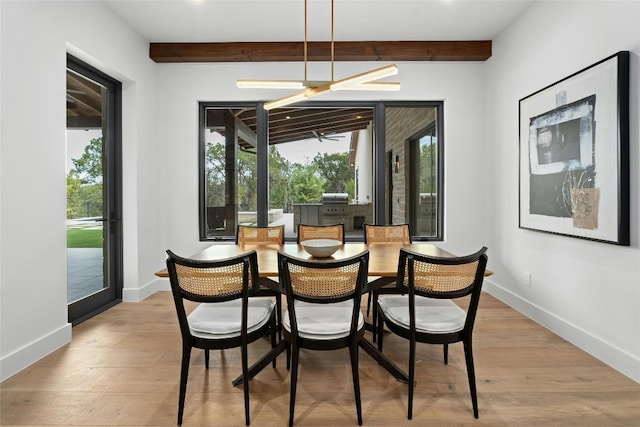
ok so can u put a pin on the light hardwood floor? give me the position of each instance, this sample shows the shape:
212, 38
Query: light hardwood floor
122, 369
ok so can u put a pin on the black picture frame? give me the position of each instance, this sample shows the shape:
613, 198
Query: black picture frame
574, 154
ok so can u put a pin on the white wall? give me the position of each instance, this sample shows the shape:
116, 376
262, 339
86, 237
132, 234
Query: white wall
181, 86
35, 38
587, 292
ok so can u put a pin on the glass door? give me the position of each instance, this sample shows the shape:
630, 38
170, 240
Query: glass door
94, 236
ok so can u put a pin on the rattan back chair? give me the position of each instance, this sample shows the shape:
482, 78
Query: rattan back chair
373, 234
247, 234
396, 233
271, 235
308, 232
226, 317
427, 313
323, 311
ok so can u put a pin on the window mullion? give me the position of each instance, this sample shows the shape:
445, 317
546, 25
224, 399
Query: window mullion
262, 166
379, 144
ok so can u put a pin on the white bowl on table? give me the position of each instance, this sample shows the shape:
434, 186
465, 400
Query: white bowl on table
321, 248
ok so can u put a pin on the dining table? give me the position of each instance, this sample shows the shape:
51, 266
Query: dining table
383, 257
383, 265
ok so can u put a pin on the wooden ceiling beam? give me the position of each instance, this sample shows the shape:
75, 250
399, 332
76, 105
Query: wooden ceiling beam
474, 50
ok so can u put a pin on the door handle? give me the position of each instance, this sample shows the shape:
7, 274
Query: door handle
107, 220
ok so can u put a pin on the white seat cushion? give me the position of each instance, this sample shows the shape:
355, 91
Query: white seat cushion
437, 316
323, 321
223, 319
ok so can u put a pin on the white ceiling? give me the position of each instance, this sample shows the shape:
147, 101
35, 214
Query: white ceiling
283, 20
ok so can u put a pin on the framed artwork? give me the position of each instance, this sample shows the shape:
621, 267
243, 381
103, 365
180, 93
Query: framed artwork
574, 154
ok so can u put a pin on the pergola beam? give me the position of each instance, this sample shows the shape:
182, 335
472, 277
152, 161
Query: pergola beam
475, 50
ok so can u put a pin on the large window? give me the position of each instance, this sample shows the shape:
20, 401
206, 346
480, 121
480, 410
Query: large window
320, 163
229, 174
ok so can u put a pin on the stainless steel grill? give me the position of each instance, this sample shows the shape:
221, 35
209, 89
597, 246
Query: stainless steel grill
335, 198
334, 209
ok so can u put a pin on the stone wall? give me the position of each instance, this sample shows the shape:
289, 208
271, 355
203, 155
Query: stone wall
402, 124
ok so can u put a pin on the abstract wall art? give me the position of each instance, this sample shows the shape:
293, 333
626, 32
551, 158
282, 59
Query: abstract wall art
574, 154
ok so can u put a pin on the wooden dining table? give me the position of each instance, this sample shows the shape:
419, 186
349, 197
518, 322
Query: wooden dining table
383, 257
383, 264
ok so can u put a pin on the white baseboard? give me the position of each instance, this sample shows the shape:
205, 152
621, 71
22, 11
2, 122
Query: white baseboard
163, 285
20, 359
617, 358
139, 294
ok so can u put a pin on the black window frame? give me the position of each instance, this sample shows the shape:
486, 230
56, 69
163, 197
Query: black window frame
379, 158
414, 161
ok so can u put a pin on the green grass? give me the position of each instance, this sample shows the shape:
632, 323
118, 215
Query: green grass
82, 238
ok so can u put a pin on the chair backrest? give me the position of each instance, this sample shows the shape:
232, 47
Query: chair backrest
260, 235
308, 232
211, 281
324, 281
443, 278
398, 233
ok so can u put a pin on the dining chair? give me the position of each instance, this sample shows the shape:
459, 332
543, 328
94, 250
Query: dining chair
428, 314
308, 232
323, 311
270, 235
226, 316
396, 234
248, 234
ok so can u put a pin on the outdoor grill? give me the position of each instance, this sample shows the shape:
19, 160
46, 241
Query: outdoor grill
334, 209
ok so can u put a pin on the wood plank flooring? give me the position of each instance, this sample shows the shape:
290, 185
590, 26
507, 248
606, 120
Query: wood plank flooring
122, 369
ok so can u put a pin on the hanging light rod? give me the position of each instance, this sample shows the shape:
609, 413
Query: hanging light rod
362, 81
369, 76
287, 100
357, 82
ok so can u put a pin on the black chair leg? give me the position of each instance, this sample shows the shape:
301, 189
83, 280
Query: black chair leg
184, 375
353, 350
445, 349
412, 376
294, 381
288, 356
468, 355
273, 338
245, 382
206, 358
374, 296
279, 315
368, 303
380, 327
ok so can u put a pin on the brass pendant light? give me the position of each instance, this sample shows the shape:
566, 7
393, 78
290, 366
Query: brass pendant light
362, 81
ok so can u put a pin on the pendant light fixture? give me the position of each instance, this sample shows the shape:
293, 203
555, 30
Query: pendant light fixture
309, 89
